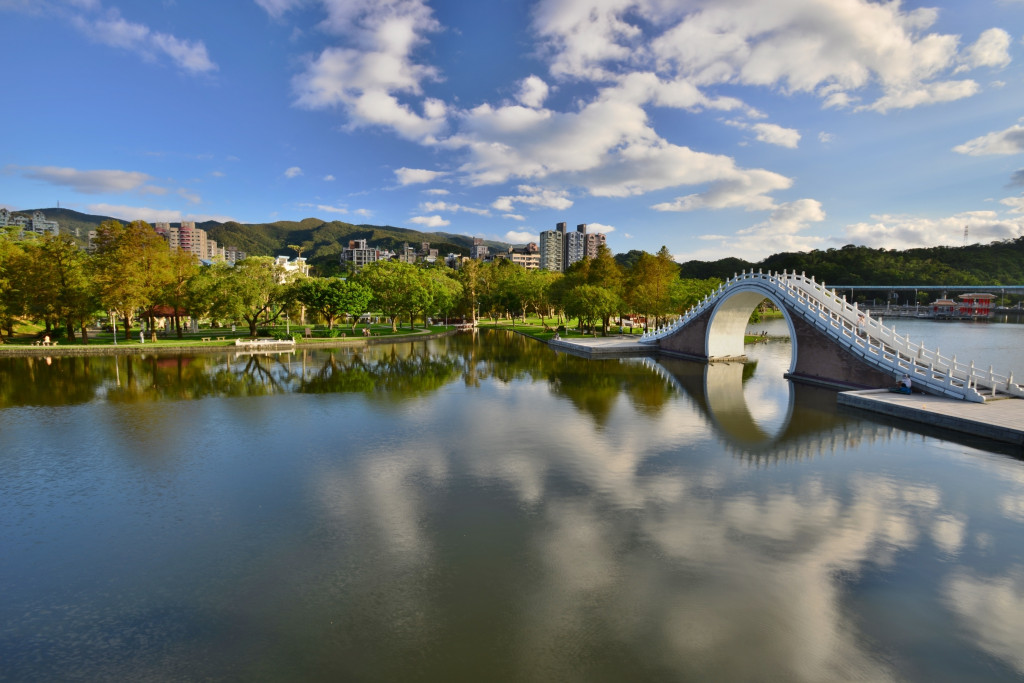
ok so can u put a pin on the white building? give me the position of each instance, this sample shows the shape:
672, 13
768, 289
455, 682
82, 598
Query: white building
36, 224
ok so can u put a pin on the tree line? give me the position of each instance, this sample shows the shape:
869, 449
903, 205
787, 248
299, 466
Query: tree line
133, 275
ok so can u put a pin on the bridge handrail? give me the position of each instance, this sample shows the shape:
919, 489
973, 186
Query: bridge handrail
863, 335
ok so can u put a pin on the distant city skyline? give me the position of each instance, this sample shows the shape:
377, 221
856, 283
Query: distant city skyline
714, 127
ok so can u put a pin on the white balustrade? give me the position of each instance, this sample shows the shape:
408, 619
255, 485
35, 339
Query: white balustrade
876, 344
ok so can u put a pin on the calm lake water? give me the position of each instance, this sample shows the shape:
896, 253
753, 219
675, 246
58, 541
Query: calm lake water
481, 508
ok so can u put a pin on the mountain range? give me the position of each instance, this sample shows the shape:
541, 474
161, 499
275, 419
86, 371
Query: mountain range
321, 241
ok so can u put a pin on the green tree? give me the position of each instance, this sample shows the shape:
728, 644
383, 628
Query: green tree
62, 283
648, 284
396, 288
12, 256
253, 290
590, 303
183, 267
445, 291
332, 297
132, 268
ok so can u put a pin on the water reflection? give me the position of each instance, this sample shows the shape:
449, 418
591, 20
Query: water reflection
467, 509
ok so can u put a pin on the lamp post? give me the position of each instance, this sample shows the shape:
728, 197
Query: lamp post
113, 326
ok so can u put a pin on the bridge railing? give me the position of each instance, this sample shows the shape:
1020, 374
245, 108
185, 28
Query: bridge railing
866, 337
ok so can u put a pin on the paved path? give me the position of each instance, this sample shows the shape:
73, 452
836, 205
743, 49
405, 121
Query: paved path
1002, 420
612, 345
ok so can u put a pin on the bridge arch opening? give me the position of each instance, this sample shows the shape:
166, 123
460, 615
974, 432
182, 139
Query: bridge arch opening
729, 321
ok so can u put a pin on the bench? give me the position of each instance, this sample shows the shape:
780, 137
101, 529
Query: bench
205, 339
221, 338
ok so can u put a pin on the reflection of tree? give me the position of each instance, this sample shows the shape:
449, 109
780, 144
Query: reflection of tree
391, 373
594, 386
396, 375
52, 381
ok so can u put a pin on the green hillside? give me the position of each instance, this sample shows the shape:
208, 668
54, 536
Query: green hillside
321, 241
998, 263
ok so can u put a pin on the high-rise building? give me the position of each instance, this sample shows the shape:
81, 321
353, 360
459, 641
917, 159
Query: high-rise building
187, 237
594, 240
575, 246
551, 248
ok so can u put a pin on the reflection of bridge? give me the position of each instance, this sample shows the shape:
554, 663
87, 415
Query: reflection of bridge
810, 427
834, 342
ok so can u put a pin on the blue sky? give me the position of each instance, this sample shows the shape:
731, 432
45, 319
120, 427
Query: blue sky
713, 127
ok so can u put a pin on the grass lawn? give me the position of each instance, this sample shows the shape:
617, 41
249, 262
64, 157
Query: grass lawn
28, 334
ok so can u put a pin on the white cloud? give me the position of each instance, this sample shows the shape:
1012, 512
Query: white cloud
1016, 204
776, 135
770, 133
532, 91
366, 213
429, 207
437, 192
825, 138
293, 172
430, 221
1009, 141
88, 182
829, 47
745, 189
368, 78
329, 178
514, 216
600, 227
991, 49
113, 30
533, 196
413, 176
189, 196
517, 237
277, 8
927, 93
906, 232
332, 209
151, 215
783, 231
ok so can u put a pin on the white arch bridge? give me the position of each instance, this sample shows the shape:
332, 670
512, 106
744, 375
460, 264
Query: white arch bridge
834, 343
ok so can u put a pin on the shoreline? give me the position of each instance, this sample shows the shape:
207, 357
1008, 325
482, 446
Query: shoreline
207, 347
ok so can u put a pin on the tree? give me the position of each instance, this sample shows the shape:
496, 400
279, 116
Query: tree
648, 284
606, 273
183, 268
62, 286
250, 290
132, 267
332, 297
11, 257
445, 291
590, 303
396, 288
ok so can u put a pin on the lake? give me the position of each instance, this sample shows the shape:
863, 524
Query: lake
482, 508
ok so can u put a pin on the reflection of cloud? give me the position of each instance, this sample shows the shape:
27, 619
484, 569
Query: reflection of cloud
1012, 507
948, 533
994, 611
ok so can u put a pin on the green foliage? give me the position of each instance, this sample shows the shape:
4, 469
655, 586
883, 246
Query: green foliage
332, 297
998, 263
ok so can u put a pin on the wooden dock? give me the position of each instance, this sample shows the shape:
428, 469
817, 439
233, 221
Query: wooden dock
1001, 420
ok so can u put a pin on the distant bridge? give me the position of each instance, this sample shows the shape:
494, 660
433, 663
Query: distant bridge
834, 342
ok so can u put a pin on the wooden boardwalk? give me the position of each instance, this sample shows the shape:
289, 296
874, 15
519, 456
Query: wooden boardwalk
1001, 420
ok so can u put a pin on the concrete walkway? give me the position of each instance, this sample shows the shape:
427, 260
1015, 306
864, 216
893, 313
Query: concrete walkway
612, 345
1001, 420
